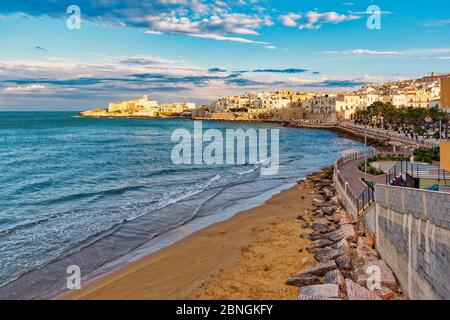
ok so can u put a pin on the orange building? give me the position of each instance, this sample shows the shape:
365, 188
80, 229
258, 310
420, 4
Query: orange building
445, 155
445, 103
445, 93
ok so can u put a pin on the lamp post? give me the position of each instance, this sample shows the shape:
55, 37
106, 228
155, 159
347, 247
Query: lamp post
365, 154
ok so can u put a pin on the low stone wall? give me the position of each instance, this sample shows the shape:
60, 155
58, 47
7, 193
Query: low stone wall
412, 233
348, 198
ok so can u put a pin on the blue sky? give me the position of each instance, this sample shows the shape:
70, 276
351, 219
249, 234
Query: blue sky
199, 50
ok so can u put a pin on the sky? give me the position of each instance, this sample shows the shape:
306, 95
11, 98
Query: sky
200, 50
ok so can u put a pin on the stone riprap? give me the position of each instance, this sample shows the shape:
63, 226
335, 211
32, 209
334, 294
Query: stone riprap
345, 257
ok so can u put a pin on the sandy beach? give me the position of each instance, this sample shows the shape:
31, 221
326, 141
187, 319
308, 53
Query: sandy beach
249, 256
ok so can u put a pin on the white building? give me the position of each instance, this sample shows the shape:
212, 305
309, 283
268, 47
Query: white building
323, 104
396, 100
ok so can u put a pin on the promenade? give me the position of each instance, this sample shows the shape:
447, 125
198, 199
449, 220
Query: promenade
349, 178
350, 173
389, 134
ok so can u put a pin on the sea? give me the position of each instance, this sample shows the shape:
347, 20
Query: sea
97, 193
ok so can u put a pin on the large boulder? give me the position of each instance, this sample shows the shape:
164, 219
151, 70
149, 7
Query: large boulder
329, 211
320, 269
334, 201
344, 262
346, 220
385, 293
335, 277
302, 297
364, 254
327, 290
318, 202
302, 280
357, 292
346, 231
327, 254
314, 235
320, 227
333, 252
374, 271
327, 193
320, 243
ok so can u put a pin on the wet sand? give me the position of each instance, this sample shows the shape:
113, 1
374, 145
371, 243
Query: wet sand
248, 256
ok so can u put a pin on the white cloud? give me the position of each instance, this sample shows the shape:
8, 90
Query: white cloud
314, 19
367, 52
224, 38
222, 18
436, 23
153, 32
221, 27
25, 89
425, 53
290, 20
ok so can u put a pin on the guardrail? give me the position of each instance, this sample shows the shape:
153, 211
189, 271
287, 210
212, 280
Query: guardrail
429, 143
354, 155
353, 203
367, 197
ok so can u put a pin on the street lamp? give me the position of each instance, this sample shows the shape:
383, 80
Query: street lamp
365, 154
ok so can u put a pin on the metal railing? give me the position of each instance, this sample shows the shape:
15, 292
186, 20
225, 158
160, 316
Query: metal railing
407, 174
366, 198
368, 195
354, 156
430, 143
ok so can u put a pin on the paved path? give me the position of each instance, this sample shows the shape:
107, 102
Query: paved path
351, 174
391, 135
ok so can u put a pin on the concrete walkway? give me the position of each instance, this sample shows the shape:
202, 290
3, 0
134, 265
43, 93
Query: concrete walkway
351, 174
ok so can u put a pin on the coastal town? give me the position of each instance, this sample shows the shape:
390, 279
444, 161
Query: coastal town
289, 105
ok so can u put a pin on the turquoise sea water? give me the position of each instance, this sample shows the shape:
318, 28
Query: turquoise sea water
88, 191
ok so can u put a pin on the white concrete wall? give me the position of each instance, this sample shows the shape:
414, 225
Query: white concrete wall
413, 237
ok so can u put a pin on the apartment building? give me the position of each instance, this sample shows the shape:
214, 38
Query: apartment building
271, 103
176, 108
322, 103
367, 99
347, 104
396, 100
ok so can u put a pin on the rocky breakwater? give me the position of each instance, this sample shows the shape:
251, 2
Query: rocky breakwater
348, 266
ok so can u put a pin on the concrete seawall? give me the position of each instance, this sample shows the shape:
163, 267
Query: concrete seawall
412, 233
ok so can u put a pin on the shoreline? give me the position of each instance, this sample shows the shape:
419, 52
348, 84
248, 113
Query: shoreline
183, 269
